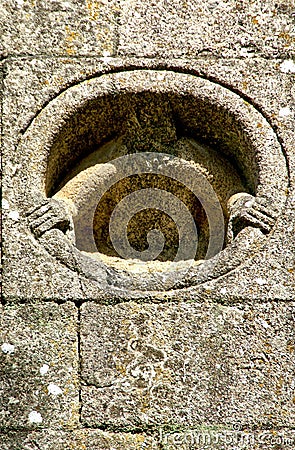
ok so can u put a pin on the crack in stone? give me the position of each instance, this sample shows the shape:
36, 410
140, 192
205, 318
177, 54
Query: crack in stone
36, 444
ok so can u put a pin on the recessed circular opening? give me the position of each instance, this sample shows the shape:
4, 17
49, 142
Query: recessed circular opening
182, 126
153, 122
209, 128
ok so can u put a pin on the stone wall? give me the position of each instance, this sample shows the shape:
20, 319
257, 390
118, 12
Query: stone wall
100, 347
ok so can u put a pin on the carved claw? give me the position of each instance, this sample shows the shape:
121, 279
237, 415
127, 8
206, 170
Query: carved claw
50, 214
246, 210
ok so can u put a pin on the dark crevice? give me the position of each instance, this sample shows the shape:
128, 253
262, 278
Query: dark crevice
117, 15
158, 430
153, 297
131, 429
35, 301
36, 444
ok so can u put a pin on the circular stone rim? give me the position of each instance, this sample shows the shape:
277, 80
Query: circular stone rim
51, 119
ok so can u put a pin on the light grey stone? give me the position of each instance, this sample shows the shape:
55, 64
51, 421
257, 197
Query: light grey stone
242, 301
39, 366
186, 364
207, 29
67, 282
144, 29
58, 27
86, 439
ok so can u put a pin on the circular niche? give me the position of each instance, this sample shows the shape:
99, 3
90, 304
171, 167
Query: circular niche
112, 147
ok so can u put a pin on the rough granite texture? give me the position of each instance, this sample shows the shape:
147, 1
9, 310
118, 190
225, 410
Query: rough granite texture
39, 366
273, 266
86, 439
149, 29
88, 365
185, 364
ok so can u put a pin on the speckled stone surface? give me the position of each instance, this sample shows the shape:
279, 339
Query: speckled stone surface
149, 29
271, 270
182, 365
205, 438
39, 367
209, 365
86, 439
58, 27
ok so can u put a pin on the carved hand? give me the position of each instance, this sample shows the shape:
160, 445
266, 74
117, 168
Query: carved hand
50, 214
246, 210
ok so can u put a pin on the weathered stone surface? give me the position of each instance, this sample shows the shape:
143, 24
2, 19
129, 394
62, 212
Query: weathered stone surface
58, 27
187, 364
140, 28
39, 366
221, 439
176, 365
192, 28
24, 99
76, 440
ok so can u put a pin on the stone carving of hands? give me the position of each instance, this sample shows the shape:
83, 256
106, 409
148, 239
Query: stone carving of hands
50, 214
246, 210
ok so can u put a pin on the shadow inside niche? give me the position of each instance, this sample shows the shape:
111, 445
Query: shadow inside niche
107, 128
